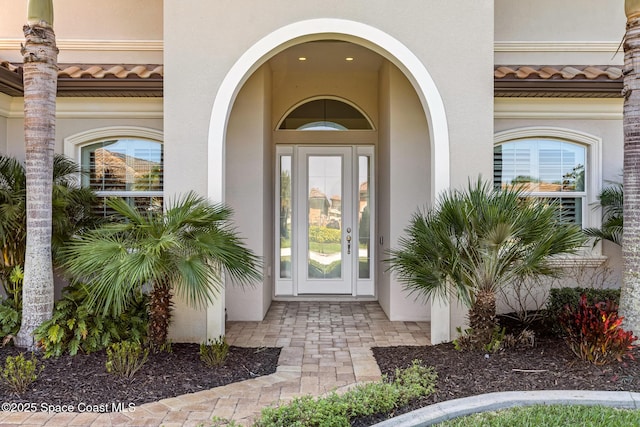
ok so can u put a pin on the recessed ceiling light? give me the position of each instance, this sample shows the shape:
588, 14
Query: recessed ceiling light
302, 58
348, 58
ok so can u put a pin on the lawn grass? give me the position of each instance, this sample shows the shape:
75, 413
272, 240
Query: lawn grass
550, 416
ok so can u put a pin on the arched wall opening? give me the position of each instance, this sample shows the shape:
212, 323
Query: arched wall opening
249, 67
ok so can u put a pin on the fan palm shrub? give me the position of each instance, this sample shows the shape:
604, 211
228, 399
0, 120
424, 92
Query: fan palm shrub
611, 200
474, 242
71, 211
185, 250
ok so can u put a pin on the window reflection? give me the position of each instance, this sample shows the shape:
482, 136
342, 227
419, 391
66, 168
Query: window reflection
325, 217
542, 168
122, 167
285, 217
364, 219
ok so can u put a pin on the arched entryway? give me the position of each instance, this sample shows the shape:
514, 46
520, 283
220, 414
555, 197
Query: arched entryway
250, 76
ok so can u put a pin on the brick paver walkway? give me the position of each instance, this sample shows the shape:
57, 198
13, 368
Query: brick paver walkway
325, 346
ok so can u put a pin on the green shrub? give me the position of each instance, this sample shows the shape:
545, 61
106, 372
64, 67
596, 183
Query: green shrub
223, 422
367, 399
18, 373
560, 297
126, 358
466, 340
10, 308
9, 319
594, 332
214, 352
76, 326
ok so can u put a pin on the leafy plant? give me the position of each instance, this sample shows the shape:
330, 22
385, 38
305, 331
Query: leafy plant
214, 352
9, 319
71, 211
559, 298
612, 201
367, 399
184, 249
594, 332
77, 326
500, 340
223, 422
474, 242
19, 373
125, 358
10, 308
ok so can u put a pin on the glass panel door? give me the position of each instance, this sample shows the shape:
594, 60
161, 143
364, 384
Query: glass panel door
325, 224
324, 219
325, 210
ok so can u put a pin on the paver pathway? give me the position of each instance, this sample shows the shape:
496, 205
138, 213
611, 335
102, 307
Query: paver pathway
325, 346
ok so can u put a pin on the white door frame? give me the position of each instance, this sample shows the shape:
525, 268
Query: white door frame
293, 282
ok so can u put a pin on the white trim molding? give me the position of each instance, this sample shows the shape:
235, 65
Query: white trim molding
557, 46
558, 108
94, 45
74, 143
92, 108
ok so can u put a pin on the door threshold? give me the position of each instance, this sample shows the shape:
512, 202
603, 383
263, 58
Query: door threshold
325, 298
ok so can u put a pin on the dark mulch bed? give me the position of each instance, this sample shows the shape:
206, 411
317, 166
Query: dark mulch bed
82, 378
550, 365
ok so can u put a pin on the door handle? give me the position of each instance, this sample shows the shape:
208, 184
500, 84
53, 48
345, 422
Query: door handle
348, 244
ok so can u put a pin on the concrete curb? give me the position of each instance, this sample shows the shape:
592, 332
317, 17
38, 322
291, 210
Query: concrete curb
443, 411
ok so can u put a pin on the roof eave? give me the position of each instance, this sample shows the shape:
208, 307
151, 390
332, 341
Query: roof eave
558, 88
10, 82
110, 87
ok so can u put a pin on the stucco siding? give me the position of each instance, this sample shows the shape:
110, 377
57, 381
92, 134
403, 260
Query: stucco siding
554, 32
92, 32
245, 183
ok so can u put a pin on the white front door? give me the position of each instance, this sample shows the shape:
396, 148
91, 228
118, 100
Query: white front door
325, 253
325, 226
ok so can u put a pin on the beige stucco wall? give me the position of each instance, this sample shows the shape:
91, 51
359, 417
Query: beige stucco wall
120, 31
383, 278
248, 178
407, 166
551, 32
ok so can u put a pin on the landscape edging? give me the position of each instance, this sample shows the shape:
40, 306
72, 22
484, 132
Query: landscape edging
439, 412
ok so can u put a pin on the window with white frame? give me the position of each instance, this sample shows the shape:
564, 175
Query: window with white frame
549, 169
120, 161
131, 168
558, 165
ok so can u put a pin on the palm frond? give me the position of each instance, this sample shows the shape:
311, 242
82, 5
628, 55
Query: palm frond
481, 238
189, 246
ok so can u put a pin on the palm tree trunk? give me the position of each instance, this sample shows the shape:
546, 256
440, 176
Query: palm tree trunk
160, 305
40, 84
630, 293
482, 318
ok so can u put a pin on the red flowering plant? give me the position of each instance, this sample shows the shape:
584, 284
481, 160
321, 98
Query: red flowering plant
594, 332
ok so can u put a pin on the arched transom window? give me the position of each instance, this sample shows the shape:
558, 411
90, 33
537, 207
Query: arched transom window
325, 114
